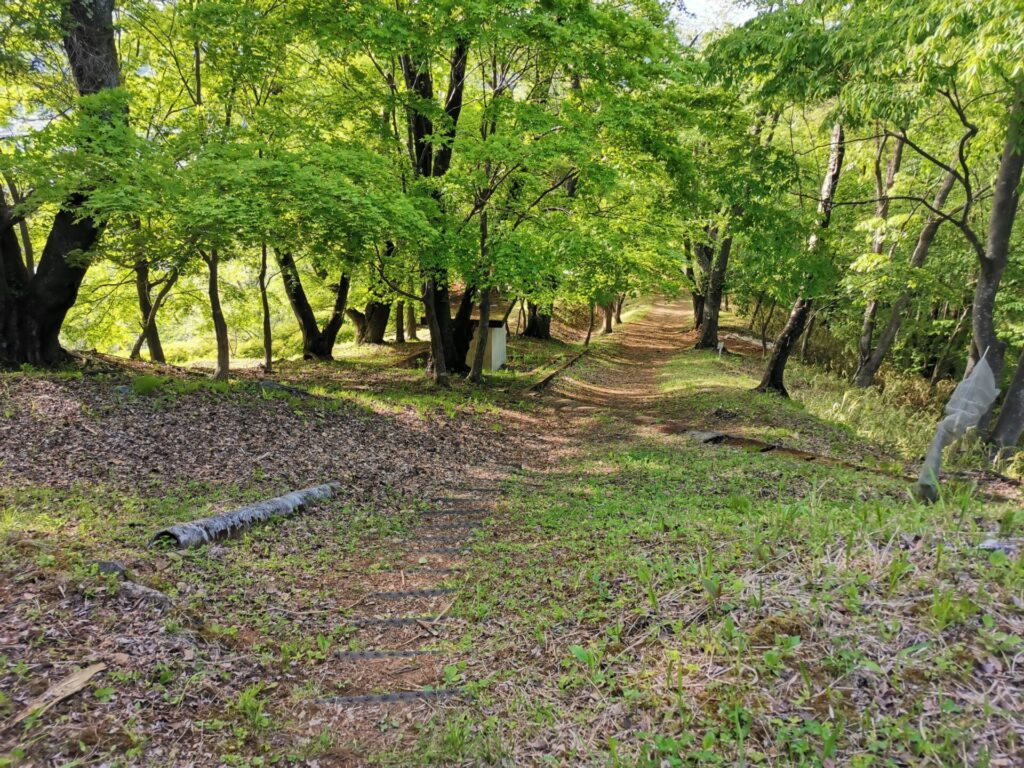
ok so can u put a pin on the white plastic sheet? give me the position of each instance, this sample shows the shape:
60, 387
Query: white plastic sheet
970, 401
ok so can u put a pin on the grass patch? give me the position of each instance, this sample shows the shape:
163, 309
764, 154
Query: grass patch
668, 604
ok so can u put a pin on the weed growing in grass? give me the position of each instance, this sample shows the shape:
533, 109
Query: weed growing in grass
251, 707
749, 630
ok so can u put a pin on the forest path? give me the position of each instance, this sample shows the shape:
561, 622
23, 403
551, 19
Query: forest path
624, 375
402, 657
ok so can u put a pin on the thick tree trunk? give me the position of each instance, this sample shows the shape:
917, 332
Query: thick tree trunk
437, 361
618, 308
773, 375
268, 339
372, 324
697, 299
462, 331
317, 343
149, 329
1005, 200
608, 310
33, 306
431, 154
773, 379
1008, 428
410, 322
712, 306
377, 315
220, 326
538, 323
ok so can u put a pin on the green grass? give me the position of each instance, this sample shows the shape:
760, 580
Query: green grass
656, 603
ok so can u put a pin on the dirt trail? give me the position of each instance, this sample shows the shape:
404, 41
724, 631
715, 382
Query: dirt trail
397, 673
624, 375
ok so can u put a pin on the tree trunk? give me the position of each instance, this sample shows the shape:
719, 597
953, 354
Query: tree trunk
172, 278
437, 362
431, 154
220, 326
590, 326
410, 322
712, 305
476, 372
538, 323
882, 189
806, 343
868, 367
1008, 428
377, 315
149, 329
696, 285
608, 310
618, 308
400, 322
372, 324
774, 374
462, 331
317, 343
1005, 200
268, 340
33, 306
697, 300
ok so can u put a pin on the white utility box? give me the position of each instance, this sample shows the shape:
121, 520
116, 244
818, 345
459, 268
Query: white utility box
494, 353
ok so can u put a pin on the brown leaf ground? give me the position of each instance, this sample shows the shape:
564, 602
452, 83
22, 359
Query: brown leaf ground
440, 570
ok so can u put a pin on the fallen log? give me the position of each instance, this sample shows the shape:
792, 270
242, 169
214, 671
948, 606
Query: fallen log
226, 524
537, 386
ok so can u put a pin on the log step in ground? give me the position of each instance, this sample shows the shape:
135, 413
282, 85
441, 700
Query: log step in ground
385, 654
403, 622
412, 593
396, 696
397, 621
454, 525
440, 551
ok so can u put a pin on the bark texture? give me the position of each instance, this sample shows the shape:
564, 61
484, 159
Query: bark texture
431, 155
538, 322
208, 529
33, 306
371, 324
220, 326
1005, 201
150, 332
476, 371
716, 265
773, 379
317, 342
